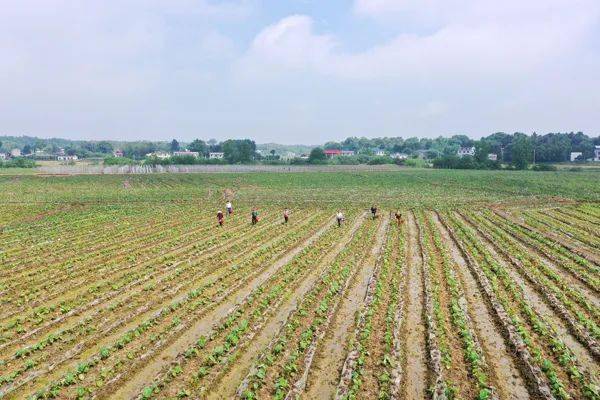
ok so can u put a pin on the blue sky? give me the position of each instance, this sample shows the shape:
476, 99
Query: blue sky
297, 71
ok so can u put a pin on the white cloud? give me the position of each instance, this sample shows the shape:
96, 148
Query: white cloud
475, 43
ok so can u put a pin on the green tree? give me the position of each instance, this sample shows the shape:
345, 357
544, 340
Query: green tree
239, 151
317, 156
26, 149
104, 147
199, 146
482, 149
521, 151
174, 145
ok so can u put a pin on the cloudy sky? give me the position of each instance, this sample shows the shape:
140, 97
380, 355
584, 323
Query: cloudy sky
297, 71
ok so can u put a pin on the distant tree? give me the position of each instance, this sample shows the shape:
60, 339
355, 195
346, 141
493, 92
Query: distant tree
70, 151
104, 147
199, 146
239, 151
26, 149
317, 155
332, 146
174, 145
521, 151
482, 149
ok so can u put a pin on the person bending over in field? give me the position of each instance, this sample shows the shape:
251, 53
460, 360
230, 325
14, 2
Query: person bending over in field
254, 216
220, 217
398, 217
374, 211
340, 218
229, 207
286, 216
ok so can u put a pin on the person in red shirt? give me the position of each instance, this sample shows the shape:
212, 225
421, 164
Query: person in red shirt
220, 217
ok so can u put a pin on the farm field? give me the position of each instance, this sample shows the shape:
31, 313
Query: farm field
124, 287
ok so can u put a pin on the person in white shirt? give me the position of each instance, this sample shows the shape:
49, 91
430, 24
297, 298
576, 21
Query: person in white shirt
340, 218
229, 208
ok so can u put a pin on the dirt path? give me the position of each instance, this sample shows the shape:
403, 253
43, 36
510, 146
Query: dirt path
506, 376
230, 381
142, 377
413, 332
323, 376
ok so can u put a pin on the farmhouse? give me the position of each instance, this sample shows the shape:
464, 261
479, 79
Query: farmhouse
118, 153
379, 152
216, 155
15, 153
597, 153
334, 153
399, 156
67, 158
493, 157
575, 154
158, 154
186, 153
3, 156
466, 151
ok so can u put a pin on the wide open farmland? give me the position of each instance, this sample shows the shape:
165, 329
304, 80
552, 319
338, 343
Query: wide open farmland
125, 287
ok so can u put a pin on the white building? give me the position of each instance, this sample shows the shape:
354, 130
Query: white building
466, 151
118, 153
288, 155
379, 153
159, 154
67, 158
575, 154
597, 153
493, 157
3, 156
15, 153
216, 155
399, 156
186, 153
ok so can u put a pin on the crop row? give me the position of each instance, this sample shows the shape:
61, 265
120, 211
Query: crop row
549, 364
197, 369
118, 353
281, 368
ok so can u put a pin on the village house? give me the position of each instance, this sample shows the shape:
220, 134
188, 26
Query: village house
67, 158
159, 154
379, 152
334, 153
15, 153
216, 155
186, 153
597, 153
288, 156
399, 156
574, 155
466, 151
493, 157
118, 153
3, 156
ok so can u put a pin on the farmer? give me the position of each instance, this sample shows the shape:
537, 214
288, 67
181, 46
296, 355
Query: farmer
374, 211
340, 218
220, 217
286, 216
229, 207
398, 217
254, 216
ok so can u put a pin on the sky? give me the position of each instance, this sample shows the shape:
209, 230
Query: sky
297, 71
